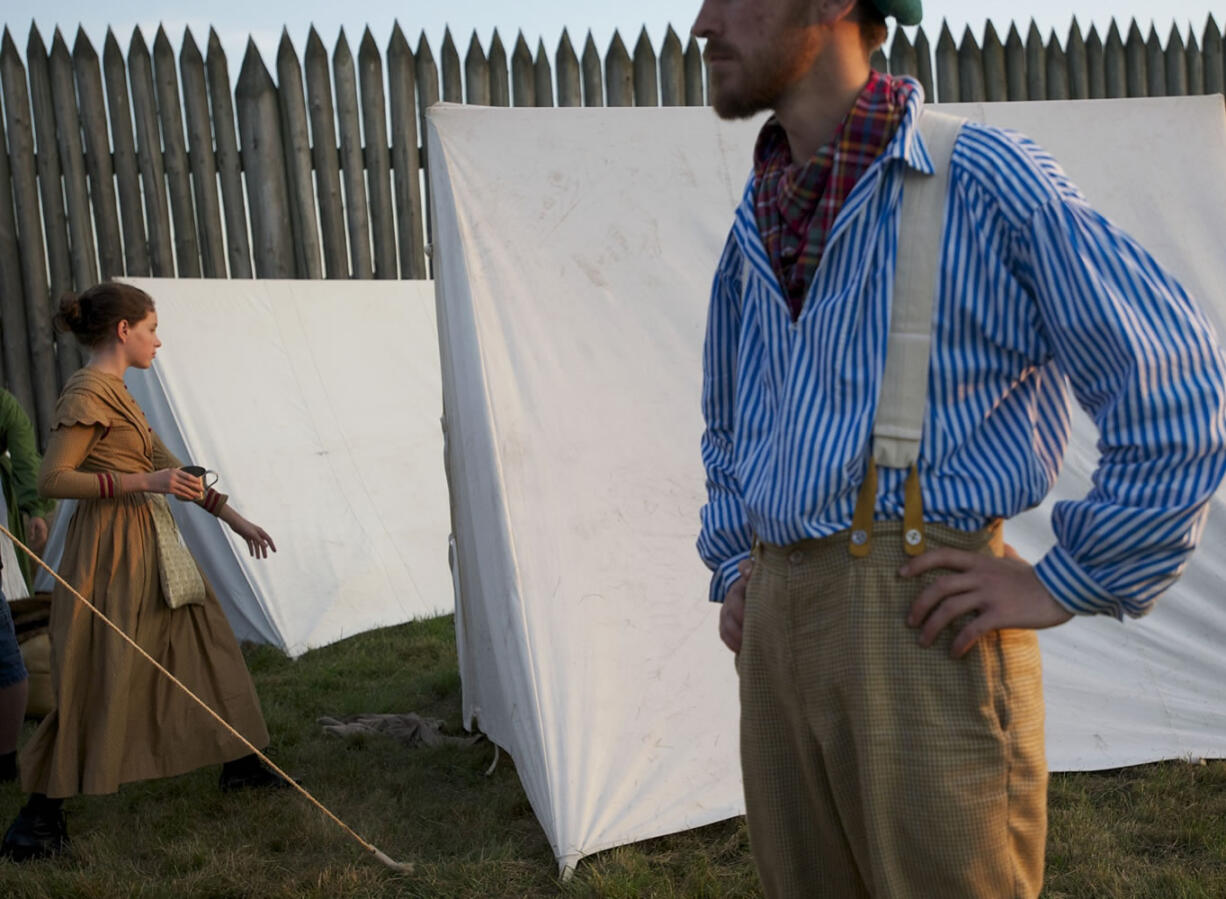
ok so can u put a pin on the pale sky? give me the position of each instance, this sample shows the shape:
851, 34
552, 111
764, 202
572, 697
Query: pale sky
543, 19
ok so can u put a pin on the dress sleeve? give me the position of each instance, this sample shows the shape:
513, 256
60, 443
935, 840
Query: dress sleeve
163, 457
213, 501
66, 450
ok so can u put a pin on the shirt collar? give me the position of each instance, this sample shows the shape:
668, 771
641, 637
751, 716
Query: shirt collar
907, 144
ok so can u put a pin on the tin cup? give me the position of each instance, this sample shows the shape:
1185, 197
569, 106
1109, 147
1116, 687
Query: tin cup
203, 473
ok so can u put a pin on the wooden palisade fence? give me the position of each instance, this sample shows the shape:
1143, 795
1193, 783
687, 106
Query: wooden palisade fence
152, 165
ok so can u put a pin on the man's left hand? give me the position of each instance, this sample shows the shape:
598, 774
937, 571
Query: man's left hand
1001, 593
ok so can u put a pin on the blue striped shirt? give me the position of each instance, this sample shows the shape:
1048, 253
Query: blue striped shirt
1036, 293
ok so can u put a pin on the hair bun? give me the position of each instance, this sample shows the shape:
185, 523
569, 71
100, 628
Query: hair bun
70, 315
93, 314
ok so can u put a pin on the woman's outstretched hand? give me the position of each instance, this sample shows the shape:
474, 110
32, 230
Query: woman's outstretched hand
257, 539
176, 482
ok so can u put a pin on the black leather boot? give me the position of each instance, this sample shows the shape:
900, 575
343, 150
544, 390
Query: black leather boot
39, 831
8, 767
249, 773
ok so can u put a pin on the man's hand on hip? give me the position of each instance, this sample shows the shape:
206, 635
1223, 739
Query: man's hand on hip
732, 611
1001, 593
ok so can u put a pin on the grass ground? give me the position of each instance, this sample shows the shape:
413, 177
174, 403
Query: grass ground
1155, 831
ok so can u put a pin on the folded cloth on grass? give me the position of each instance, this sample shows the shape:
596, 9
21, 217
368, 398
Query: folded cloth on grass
411, 730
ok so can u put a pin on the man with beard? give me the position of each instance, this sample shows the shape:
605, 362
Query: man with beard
891, 700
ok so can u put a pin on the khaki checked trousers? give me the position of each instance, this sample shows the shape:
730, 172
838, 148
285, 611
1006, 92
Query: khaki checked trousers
873, 767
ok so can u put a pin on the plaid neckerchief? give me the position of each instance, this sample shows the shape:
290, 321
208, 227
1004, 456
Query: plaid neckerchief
796, 205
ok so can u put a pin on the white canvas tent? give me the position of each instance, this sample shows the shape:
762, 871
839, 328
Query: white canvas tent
318, 404
573, 253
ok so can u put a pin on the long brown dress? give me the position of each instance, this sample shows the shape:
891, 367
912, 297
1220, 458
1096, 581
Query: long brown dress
117, 719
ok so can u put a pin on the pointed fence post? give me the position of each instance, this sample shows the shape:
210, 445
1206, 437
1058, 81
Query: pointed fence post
127, 172
357, 212
1015, 65
646, 83
1057, 70
695, 74
947, 67
1115, 64
1155, 65
1134, 56
297, 143
593, 79
523, 76
174, 156
377, 158
476, 73
570, 84
672, 70
995, 77
31, 249
406, 161
1176, 65
14, 335
325, 157
203, 161
88, 74
1096, 74
902, 55
1211, 47
427, 96
1036, 64
923, 64
619, 73
1077, 64
970, 69
72, 155
149, 156
542, 76
229, 160
54, 221
500, 86
264, 163
427, 79
449, 64
1196, 65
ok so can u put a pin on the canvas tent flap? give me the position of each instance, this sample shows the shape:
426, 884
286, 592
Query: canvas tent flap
572, 661
318, 404
574, 250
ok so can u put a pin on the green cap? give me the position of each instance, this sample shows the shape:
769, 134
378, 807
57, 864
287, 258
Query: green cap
907, 12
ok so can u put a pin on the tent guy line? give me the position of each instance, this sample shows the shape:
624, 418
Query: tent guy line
401, 867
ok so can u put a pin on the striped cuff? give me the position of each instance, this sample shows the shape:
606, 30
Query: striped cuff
1073, 589
213, 501
725, 576
108, 485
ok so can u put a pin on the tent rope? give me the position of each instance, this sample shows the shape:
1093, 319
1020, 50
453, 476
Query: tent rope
403, 867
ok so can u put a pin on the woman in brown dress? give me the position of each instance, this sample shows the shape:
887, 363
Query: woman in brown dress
117, 719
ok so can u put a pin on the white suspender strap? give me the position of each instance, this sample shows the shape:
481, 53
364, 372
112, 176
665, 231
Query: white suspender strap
904, 386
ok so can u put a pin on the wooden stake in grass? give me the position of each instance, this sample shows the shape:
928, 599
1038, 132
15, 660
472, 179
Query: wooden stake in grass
401, 867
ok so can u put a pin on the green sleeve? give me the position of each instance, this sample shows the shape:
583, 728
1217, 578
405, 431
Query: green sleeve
18, 433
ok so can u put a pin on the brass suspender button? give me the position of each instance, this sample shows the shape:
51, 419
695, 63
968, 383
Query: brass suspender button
913, 537
859, 538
